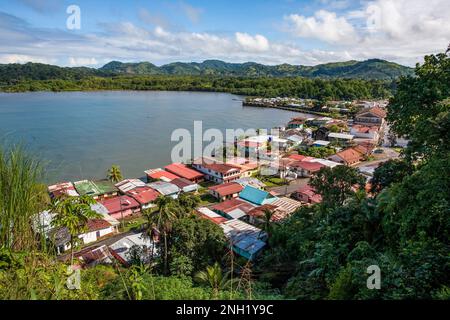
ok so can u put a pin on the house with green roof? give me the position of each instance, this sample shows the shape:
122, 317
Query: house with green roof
256, 196
96, 189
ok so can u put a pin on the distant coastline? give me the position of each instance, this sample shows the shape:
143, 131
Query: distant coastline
306, 88
294, 109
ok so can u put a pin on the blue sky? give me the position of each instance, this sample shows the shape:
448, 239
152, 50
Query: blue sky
266, 31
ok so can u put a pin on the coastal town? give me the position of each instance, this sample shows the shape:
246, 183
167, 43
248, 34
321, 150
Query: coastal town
267, 173
214, 159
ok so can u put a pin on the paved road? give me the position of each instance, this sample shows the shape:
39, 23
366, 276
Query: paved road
293, 186
106, 241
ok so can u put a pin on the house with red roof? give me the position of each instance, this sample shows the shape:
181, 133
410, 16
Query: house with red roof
97, 228
348, 157
121, 206
296, 123
181, 170
160, 174
216, 171
145, 196
256, 215
297, 157
373, 116
307, 194
246, 166
366, 132
233, 208
225, 191
364, 148
306, 168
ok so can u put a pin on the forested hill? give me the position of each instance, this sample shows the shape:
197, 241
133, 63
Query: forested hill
369, 70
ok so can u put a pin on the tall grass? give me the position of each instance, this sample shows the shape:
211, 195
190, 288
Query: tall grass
21, 197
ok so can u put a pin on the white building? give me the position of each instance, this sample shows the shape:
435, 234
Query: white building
217, 172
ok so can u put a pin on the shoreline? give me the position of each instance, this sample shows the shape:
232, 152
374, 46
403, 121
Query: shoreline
293, 109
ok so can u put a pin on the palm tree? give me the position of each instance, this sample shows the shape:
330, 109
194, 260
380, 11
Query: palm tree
215, 278
267, 224
114, 174
151, 231
73, 213
163, 219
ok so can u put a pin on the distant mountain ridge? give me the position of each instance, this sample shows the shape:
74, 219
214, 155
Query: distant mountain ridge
368, 69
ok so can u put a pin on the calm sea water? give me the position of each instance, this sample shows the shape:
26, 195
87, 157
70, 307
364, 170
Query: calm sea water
81, 134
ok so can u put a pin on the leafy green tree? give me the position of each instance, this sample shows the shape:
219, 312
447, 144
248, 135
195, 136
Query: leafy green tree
136, 255
199, 241
318, 152
181, 265
420, 108
337, 184
343, 288
188, 202
390, 172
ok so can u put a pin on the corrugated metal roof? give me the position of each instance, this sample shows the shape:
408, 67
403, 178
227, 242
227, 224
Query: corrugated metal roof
236, 230
236, 213
211, 215
183, 171
340, 135
226, 189
86, 187
129, 184
63, 188
250, 181
165, 188
286, 205
250, 245
160, 174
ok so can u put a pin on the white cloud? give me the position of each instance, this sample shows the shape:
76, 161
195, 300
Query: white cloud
324, 25
405, 31
257, 43
21, 58
398, 30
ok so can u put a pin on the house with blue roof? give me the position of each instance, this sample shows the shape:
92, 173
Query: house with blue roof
256, 196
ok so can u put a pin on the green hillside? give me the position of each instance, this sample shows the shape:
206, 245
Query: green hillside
374, 69
369, 69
